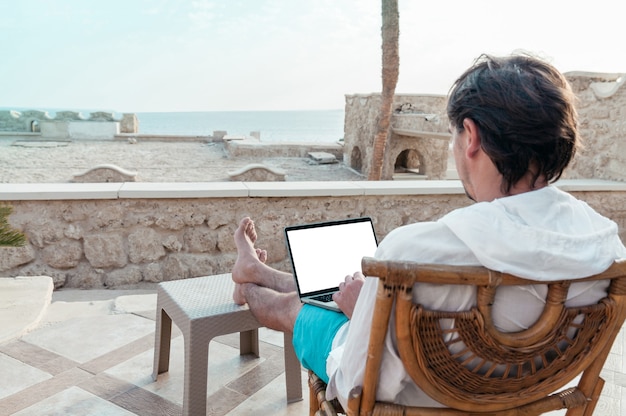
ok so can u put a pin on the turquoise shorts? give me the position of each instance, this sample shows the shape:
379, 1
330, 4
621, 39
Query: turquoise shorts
313, 335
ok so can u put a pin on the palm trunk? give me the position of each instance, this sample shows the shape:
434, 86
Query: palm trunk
391, 65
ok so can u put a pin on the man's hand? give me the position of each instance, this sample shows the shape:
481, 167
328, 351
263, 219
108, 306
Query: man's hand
349, 292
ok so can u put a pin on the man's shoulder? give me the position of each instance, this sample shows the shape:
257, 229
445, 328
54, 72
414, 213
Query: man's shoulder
419, 229
430, 242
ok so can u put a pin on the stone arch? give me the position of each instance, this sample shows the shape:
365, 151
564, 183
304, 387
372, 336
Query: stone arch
409, 161
356, 160
34, 126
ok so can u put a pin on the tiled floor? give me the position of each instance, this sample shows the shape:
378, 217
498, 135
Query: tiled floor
92, 355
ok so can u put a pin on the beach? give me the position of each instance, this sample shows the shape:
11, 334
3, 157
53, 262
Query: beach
40, 161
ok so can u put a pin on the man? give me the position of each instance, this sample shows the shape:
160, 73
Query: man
514, 131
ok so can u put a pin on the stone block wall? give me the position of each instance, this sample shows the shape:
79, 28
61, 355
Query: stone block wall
112, 243
411, 113
253, 148
419, 131
22, 121
602, 116
121, 242
68, 124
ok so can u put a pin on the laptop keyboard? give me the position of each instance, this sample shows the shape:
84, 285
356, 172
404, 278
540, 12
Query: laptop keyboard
324, 298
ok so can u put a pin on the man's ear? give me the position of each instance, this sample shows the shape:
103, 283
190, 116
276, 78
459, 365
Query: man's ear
473, 138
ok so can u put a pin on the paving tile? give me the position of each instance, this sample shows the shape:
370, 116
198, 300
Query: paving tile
40, 391
613, 362
105, 386
272, 337
142, 402
37, 357
58, 365
620, 379
225, 365
271, 400
76, 402
17, 376
609, 377
260, 375
611, 391
223, 402
147, 314
607, 406
119, 355
60, 311
84, 339
23, 302
136, 304
270, 342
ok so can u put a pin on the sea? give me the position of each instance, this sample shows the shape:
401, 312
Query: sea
323, 126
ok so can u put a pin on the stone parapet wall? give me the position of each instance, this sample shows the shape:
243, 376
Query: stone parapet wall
22, 121
97, 130
254, 148
95, 243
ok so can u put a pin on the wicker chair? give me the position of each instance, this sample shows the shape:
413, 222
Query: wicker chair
495, 372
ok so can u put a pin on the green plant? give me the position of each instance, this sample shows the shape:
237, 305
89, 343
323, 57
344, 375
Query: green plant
9, 237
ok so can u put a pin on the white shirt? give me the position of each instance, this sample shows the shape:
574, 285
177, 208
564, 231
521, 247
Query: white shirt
545, 235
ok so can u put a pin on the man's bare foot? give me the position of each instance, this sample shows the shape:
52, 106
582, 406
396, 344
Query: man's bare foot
250, 265
238, 295
247, 256
249, 229
261, 254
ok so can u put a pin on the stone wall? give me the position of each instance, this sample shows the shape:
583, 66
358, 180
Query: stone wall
22, 121
90, 243
412, 113
420, 124
253, 148
602, 116
68, 124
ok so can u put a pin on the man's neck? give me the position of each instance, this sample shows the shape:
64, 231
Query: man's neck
494, 189
526, 184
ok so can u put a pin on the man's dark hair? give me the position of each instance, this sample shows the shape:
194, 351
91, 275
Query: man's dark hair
524, 110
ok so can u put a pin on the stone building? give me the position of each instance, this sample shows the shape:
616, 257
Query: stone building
68, 124
418, 145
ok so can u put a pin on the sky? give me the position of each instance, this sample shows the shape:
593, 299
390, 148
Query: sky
227, 55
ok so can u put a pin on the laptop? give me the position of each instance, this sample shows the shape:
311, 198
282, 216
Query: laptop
323, 254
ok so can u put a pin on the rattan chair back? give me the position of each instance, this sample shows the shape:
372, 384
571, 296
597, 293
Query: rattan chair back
464, 362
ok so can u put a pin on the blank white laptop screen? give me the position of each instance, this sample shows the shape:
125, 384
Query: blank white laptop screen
323, 254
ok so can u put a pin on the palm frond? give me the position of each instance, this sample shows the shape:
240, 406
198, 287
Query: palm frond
9, 237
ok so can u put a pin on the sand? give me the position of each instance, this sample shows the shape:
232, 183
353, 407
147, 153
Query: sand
28, 161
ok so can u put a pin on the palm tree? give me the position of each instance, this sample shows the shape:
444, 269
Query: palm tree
8, 236
391, 67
